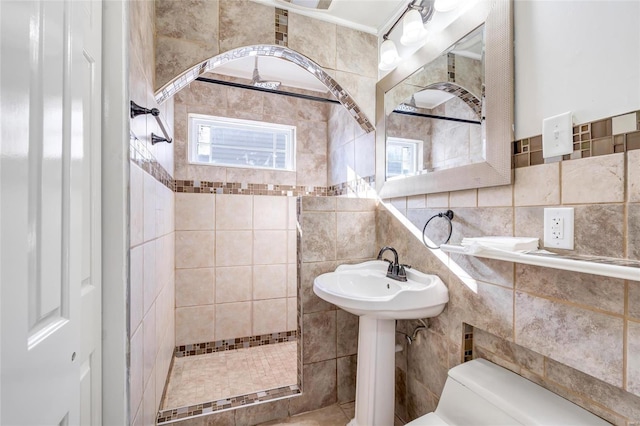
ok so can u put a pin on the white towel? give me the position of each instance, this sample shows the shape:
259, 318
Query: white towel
503, 243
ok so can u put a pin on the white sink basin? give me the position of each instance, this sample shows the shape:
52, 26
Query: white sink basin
363, 289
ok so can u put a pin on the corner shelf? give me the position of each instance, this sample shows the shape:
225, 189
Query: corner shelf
626, 269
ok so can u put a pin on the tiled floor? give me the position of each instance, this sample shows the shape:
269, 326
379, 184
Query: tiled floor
203, 378
334, 415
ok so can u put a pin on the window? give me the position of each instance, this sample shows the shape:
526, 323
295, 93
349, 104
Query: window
231, 142
404, 157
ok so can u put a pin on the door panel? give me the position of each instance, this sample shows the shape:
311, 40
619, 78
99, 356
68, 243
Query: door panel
50, 341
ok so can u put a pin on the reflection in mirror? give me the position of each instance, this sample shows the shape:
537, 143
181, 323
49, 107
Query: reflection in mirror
438, 122
444, 116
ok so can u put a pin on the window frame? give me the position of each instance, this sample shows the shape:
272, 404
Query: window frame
193, 120
416, 144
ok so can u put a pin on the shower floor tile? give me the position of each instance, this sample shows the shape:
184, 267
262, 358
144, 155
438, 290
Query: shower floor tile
211, 377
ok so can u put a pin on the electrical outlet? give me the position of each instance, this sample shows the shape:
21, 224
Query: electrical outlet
558, 228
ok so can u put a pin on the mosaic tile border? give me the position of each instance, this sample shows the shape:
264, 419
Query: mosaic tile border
237, 343
467, 354
589, 140
204, 187
282, 27
210, 407
143, 158
184, 79
361, 185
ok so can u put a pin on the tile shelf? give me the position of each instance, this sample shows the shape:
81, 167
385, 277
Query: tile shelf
609, 267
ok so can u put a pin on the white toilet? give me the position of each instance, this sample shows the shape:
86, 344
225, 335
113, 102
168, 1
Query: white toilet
480, 393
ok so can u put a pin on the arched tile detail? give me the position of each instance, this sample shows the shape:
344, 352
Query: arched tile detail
181, 81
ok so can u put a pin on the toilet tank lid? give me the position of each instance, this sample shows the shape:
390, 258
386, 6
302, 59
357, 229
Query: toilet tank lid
522, 399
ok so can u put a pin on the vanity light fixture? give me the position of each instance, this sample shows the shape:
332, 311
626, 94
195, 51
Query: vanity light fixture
413, 31
388, 55
414, 17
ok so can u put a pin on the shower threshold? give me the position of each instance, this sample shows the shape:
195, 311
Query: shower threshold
202, 384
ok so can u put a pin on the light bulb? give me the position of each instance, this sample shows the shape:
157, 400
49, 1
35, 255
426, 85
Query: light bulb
388, 55
413, 31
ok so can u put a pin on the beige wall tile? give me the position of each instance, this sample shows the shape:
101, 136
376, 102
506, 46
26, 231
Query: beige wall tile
308, 272
417, 202
594, 221
347, 333
313, 168
234, 212
633, 176
480, 222
497, 196
194, 324
319, 242
537, 185
356, 52
194, 287
269, 281
194, 249
303, 38
365, 158
633, 231
233, 320
633, 361
320, 387
342, 164
602, 393
150, 345
292, 313
292, 246
362, 89
244, 23
149, 403
346, 378
579, 338
634, 299
509, 351
196, 20
270, 212
319, 336
345, 204
593, 180
318, 203
149, 207
234, 248
269, 247
593, 291
136, 293
356, 235
175, 56
150, 278
195, 212
233, 284
467, 198
292, 280
292, 212
269, 316
136, 208
136, 370
487, 270
440, 199
256, 414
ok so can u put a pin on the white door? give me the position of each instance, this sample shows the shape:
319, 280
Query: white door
50, 362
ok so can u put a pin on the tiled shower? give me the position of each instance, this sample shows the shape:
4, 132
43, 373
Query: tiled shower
335, 153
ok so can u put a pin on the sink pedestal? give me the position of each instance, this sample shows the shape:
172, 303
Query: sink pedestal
375, 379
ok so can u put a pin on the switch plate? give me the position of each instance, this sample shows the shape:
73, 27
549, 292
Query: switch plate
557, 135
558, 228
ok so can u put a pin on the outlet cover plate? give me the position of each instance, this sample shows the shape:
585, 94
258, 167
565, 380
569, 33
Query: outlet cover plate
554, 237
557, 135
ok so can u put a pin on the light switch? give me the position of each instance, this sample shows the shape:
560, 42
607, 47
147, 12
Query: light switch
557, 135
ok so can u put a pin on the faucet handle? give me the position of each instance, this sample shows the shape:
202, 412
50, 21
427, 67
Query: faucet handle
405, 265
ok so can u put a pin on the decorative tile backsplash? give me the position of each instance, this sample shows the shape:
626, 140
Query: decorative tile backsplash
589, 140
140, 154
237, 343
282, 27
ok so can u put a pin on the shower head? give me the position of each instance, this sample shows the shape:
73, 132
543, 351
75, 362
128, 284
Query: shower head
259, 82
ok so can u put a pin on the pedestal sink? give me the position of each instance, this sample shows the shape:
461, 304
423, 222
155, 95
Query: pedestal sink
364, 290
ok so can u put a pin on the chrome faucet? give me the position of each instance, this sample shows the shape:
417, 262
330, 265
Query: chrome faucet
395, 271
